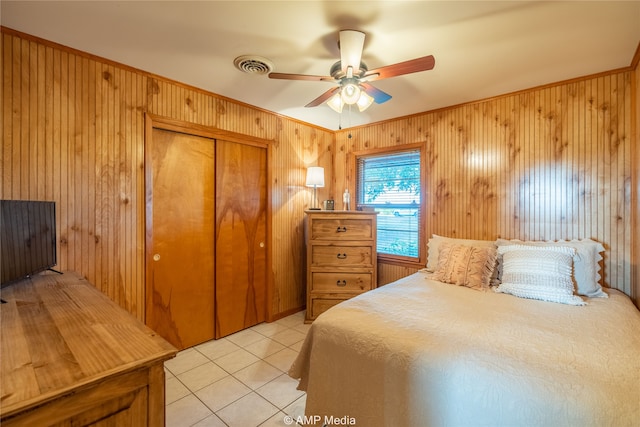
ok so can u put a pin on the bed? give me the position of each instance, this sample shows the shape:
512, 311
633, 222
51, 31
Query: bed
426, 352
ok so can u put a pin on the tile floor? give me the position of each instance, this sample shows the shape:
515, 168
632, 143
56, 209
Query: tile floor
238, 381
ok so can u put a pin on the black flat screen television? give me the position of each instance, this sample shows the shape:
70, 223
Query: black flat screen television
27, 238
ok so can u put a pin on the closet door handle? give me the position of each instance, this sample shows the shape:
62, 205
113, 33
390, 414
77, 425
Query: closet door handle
341, 283
342, 256
342, 229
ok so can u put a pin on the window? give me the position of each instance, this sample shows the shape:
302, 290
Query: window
390, 183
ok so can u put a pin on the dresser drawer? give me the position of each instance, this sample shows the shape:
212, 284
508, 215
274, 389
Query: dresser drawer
320, 305
337, 281
341, 256
342, 229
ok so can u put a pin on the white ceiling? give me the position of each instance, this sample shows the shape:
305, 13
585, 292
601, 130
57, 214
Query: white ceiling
482, 48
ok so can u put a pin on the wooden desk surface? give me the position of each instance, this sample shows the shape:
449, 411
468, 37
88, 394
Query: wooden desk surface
58, 334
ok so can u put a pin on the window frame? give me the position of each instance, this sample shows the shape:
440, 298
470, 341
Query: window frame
420, 260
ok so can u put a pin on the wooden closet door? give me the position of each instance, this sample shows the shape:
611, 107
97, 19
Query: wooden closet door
241, 212
180, 232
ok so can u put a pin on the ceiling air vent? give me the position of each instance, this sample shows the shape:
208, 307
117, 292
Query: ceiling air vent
253, 64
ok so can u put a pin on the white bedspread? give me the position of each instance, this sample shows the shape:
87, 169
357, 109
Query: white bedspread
422, 353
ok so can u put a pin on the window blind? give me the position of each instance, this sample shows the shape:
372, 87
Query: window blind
390, 184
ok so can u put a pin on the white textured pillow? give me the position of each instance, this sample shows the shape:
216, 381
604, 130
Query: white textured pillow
436, 241
538, 272
586, 263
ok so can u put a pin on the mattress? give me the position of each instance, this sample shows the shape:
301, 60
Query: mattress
419, 352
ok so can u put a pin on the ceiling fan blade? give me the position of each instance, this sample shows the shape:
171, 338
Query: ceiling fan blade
285, 76
407, 67
378, 96
351, 45
322, 98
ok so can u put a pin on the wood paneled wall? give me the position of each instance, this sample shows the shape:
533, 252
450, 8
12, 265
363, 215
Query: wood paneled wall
73, 132
549, 163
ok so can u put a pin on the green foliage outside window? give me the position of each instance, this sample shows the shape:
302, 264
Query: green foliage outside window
390, 184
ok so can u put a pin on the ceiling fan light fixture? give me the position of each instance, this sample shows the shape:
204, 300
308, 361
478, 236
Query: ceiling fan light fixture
364, 101
350, 93
353, 76
336, 103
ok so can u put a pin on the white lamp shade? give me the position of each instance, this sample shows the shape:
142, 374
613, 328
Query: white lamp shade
350, 93
336, 103
315, 176
364, 101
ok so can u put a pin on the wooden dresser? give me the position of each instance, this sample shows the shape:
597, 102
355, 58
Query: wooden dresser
341, 257
70, 356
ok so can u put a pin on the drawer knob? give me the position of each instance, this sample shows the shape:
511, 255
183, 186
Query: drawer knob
342, 229
341, 283
342, 256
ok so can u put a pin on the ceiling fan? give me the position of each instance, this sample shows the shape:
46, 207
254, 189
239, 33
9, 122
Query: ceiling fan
353, 76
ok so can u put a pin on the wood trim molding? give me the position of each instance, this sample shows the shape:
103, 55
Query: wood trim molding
167, 123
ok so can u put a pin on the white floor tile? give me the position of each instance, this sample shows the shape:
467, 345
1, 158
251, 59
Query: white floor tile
222, 393
186, 412
265, 347
244, 338
279, 420
257, 374
304, 328
217, 348
236, 360
297, 346
185, 360
296, 409
238, 415
210, 421
282, 359
288, 337
292, 321
281, 391
202, 376
239, 380
174, 390
269, 329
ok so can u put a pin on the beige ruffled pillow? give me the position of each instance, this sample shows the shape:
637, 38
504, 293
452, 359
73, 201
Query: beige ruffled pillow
462, 265
436, 241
